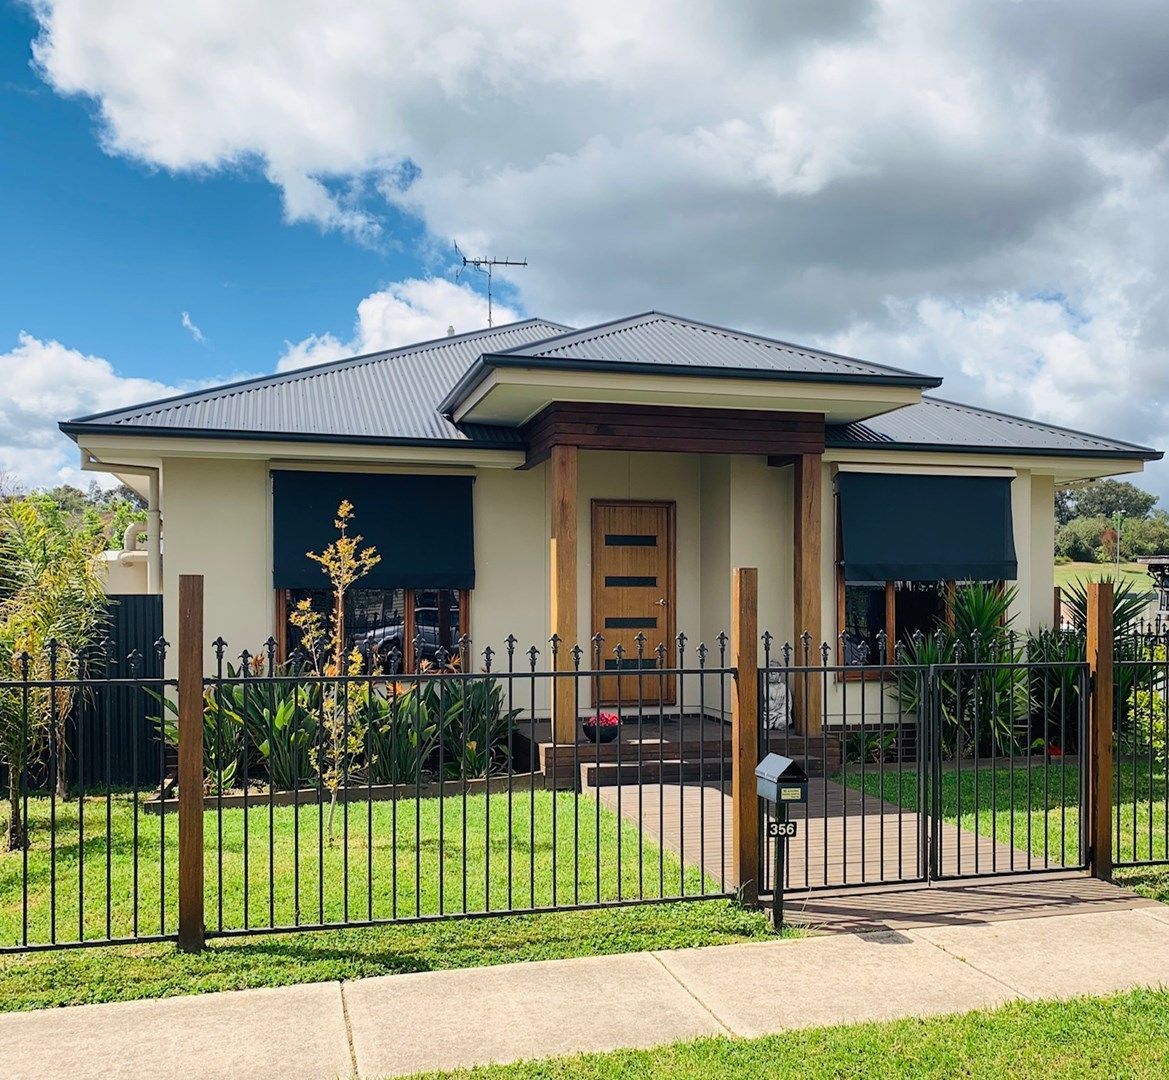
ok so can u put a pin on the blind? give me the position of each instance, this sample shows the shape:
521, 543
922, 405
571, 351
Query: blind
901, 527
422, 527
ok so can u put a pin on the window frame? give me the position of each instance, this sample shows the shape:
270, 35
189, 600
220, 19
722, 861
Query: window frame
282, 609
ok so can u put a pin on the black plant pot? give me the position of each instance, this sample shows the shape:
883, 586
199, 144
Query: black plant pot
597, 734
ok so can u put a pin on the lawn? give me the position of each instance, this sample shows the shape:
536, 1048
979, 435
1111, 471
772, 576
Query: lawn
277, 867
1126, 1035
563, 849
1066, 573
1037, 812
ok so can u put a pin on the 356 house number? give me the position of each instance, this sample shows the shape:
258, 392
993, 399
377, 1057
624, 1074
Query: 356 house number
781, 828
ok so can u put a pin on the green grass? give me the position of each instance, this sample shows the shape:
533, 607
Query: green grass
1066, 573
1036, 812
130, 972
407, 842
1126, 1035
558, 850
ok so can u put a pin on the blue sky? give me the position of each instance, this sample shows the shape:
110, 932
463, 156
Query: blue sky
105, 253
973, 190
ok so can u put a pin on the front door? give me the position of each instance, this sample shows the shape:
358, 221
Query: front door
633, 593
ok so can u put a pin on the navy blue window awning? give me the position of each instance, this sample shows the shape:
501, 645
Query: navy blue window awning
908, 527
422, 527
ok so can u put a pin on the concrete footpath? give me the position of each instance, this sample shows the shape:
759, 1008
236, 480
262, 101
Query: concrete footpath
400, 1024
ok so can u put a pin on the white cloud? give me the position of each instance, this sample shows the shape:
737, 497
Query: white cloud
191, 328
419, 309
980, 186
45, 382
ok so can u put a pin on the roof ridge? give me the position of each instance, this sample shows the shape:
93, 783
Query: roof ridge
277, 378
612, 327
582, 330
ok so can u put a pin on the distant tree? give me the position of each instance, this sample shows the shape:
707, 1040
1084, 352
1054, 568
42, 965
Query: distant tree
1105, 498
1145, 537
1081, 538
1065, 506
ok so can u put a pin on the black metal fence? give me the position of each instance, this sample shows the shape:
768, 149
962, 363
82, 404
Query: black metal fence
1140, 832
932, 762
539, 779
345, 799
82, 860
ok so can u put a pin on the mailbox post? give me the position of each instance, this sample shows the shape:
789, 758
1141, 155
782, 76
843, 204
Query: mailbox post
781, 781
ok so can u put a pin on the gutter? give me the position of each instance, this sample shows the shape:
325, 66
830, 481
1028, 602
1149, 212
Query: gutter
89, 463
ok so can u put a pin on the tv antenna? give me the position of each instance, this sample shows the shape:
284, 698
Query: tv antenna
486, 266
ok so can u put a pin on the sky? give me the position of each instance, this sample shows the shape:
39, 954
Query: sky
196, 192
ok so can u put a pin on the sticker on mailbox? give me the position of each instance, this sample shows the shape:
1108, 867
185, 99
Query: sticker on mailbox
790, 794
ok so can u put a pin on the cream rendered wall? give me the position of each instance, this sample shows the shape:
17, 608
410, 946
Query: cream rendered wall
715, 546
1042, 614
511, 594
217, 522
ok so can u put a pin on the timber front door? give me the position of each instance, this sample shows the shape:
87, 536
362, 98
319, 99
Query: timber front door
633, 593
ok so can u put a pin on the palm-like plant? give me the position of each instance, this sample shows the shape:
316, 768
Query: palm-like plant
986, 704
52, 607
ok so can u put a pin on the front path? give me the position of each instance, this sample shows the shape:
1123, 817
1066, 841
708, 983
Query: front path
401, 1024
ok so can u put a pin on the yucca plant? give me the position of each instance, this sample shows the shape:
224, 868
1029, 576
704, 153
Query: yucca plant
978, 707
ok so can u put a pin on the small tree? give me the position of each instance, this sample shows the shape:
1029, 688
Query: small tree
344, 562
51, 608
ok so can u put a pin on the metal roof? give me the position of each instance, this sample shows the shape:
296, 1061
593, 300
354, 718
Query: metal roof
663, 344
936, 424
386, 396
400, 395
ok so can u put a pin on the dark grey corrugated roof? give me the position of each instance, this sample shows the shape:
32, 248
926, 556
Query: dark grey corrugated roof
386, 396
948, 425
397, 396
669, 344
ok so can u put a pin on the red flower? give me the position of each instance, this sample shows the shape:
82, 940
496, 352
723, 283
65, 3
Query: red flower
605, 719
1053, 750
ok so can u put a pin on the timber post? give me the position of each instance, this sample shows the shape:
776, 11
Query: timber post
563, 562
1100, 647
745, 732
190, 725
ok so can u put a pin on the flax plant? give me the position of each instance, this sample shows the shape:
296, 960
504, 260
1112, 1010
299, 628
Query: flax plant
342, 736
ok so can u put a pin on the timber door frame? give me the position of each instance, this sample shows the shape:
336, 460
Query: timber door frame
670, 506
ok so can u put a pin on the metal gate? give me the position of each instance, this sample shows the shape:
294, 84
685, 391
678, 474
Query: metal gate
927, 773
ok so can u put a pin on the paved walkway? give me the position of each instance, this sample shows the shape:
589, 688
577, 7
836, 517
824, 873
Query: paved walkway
846, 837
401, 1024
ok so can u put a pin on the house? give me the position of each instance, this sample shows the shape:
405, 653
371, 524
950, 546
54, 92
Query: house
532, 479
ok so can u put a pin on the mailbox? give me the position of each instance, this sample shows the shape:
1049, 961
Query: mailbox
780, 780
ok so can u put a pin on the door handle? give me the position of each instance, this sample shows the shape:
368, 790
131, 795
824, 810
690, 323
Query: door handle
662, 602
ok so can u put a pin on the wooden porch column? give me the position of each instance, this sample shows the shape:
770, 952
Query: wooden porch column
562, 561
807, 591
745, 732
1100, 642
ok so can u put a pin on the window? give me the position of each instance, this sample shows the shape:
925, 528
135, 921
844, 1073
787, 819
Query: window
382, 623
899, 609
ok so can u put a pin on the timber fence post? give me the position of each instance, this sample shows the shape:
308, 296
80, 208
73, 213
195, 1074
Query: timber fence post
1098, 753
745, 732
191, 927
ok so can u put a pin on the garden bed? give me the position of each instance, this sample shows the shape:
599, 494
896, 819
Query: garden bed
358, 792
